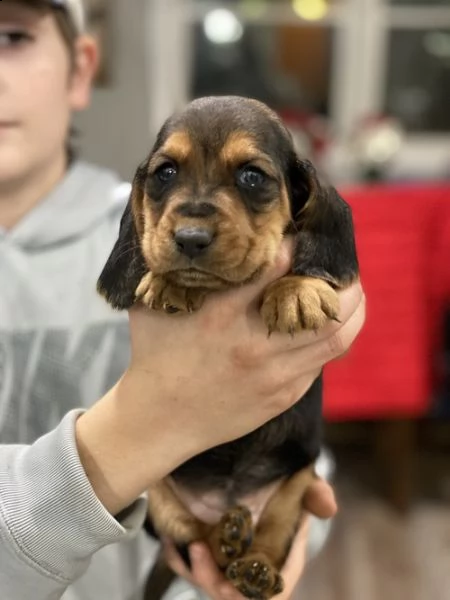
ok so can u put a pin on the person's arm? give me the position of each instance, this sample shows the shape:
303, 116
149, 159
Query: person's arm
199, 380
186, 376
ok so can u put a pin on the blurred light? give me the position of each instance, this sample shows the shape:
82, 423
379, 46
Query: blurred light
438, 44
384, 145
253, 9
377, 140
310, 10
221, 26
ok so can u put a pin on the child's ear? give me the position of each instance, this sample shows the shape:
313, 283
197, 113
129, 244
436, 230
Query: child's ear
84, 68
125, 266
325, 245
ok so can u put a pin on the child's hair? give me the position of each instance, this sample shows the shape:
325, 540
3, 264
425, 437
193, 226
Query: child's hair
63, 21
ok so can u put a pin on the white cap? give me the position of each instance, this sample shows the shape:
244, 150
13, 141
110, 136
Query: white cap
76, 11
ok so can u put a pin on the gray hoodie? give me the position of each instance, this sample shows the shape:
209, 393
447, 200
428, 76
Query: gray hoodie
61, 348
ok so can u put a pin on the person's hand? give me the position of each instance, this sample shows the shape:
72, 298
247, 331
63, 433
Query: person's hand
205, 575
218, 374
199, 380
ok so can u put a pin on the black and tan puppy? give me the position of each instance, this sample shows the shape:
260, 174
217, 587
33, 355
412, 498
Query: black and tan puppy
208, 210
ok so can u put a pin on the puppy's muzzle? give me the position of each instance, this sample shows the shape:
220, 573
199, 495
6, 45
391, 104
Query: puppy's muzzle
192, 241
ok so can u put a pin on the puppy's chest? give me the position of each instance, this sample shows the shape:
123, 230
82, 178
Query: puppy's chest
210, 506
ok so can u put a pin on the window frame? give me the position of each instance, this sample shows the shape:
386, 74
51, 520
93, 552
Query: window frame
359, 71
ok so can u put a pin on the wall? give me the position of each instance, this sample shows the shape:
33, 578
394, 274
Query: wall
114, 131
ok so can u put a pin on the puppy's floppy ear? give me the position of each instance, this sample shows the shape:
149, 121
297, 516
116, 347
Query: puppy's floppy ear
325, 243
125, 266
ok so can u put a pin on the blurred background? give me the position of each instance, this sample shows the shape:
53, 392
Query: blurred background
336, 68
364, 86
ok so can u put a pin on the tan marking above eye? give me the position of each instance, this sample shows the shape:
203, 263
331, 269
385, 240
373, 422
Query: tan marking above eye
177, 147
240, 148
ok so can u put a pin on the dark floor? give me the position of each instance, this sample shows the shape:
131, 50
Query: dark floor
374, 552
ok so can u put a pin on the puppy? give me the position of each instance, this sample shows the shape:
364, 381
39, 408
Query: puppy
208, 211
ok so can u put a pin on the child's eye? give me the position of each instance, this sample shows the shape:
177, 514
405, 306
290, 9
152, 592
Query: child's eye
14, 38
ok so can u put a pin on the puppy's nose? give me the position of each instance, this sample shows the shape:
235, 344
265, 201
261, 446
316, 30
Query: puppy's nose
192, 241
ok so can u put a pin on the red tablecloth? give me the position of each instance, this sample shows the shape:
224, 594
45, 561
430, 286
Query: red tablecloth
403, 240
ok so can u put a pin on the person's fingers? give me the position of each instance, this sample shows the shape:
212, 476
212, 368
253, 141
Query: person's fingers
320, 500
174, 560
295, 563
315, 356
204, 569
350, 301
207, 575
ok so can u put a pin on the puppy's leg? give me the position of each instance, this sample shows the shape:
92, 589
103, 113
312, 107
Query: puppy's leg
158, 294
232, 536
256, 575
228, 540
171, 518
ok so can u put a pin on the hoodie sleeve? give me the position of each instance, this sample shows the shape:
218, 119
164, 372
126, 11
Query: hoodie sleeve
51, 521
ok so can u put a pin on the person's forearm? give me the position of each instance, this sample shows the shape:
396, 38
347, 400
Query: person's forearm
126, 442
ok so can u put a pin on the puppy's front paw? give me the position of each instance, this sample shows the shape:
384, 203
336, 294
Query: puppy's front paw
294, 303
156, 293
255, 577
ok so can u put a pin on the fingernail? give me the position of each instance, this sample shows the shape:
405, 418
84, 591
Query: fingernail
196, 551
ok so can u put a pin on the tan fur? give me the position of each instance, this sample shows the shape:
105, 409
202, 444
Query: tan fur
293, 303
258, 571
156, 292
170, 517
178, 147
241, 148
244, 243
137, 207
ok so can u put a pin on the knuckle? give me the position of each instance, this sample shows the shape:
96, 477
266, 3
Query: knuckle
336, 344
271, 387
246, 357
284, 399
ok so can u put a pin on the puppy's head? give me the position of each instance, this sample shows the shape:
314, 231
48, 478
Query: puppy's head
213, 200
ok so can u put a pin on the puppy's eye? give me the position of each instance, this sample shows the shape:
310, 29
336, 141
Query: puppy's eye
251, 177
166, 172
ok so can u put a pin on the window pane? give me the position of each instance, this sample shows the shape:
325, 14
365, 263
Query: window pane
425, 3
287, 67
418, 84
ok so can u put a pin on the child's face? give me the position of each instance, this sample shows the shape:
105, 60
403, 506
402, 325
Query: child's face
39, 89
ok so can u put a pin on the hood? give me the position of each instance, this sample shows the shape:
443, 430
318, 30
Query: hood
86, 196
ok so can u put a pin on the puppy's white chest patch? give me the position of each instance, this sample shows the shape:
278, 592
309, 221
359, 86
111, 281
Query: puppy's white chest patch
210, 507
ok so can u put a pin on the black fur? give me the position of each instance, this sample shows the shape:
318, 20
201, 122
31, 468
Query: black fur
278, 449
325, 243
125, 266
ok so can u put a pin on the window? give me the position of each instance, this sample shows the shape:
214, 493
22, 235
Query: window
343, 60
418, 79
286, 66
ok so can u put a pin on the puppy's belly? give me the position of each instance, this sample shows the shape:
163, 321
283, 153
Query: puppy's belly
210, 507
